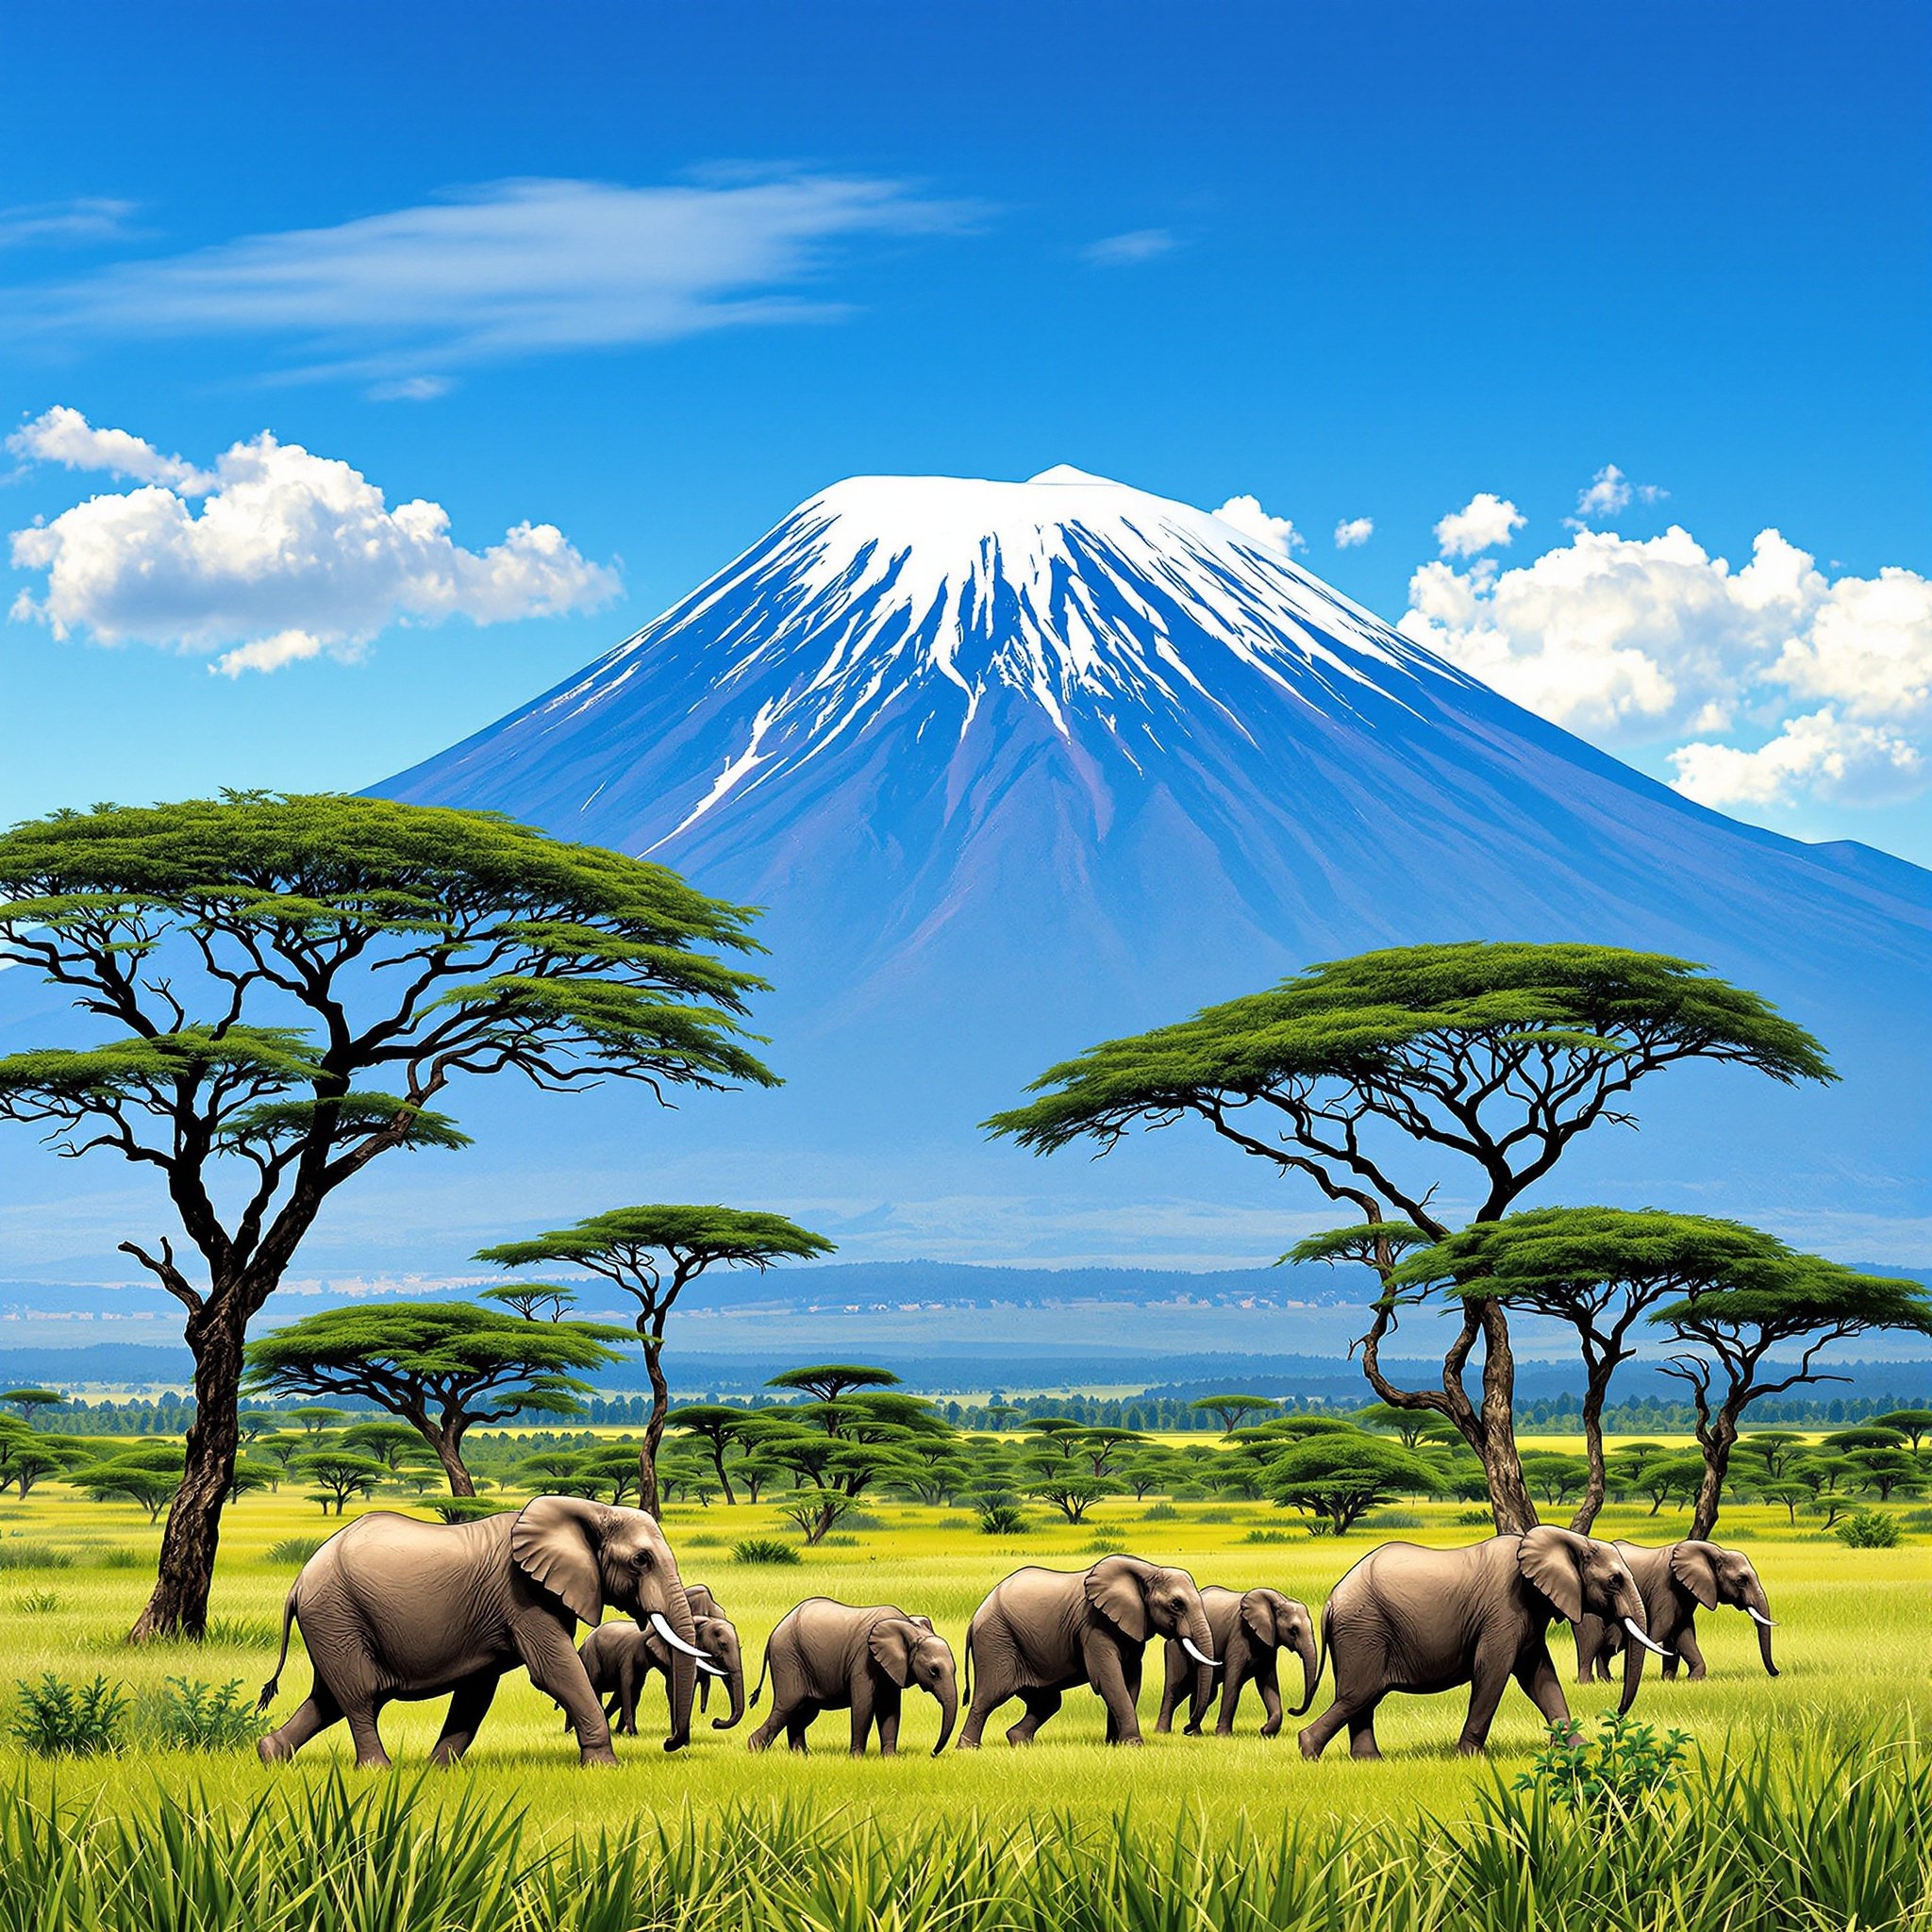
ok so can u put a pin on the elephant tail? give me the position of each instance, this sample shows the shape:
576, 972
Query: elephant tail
969, 1666
268, 1689
1315, 1676
764, 1672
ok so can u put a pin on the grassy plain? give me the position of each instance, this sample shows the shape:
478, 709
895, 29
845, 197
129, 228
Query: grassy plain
1852, 1647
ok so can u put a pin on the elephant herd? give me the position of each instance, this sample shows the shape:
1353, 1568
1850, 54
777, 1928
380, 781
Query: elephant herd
393, 1609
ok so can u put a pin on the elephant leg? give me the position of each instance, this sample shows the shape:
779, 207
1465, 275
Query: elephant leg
1041, 1705
1590, 1649
1543, 1687
862, 1707
1687, 1648
1486, 1683
1177, 1675
1232, 1684
316, 1712
1361, 1733
369, 1755
1108, 1672
797, 1721
1315, 1738
766, 1735
467, 1710
990, 1692
1268, 1684
888, 1725
556, 1670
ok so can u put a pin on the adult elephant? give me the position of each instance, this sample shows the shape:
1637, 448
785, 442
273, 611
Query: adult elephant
828, 1655
1677, 1581
1249, 1627
1411, 1619
620, 1658
393, 1607
1040, 1632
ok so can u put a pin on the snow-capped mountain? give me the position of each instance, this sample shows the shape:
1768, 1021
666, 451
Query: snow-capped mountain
1014, 765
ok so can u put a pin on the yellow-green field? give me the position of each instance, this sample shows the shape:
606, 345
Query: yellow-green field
1852, 1646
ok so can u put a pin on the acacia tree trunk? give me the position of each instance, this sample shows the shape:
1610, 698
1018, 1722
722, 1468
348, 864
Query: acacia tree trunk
448, 1444
178, 1607
1595, 1391
651, 1332
1715, 1437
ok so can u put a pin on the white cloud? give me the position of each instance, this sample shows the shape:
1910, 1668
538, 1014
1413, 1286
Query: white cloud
410, 389
291, 555
1353, 532
1482, 524
64, 436
1822, 687
1277, 534
1123, 251
86, 219
508, 268
1608, 493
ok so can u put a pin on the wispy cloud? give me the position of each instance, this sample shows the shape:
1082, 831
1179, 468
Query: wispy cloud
64, 223
508, 268
1123, 251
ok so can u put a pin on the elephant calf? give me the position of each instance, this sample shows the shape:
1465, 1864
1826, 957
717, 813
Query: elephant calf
1676, 1581
1408, 1618
618, 1657
1042, 1631
827, 1656
1248, 1628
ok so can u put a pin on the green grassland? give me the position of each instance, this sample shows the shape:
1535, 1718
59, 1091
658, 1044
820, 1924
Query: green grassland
1852, 1642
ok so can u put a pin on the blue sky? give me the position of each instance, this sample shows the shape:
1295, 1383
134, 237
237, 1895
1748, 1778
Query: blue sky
650, 278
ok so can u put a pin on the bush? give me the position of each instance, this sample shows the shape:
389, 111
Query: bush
193, 1716
38, 1603
1629, 1764
1394, 1519
858, 1518
1215, 1516
703, 1543
119, 1557
465, 1508
765, 1549
295, 1549
833, 1541
1001, 1519
54, 1719
1160, 1512
1102, 1544
1472, 1518
1274, 1535
26, 1556
1868, 1529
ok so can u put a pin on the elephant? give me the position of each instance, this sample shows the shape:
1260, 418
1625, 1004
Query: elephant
1406, 1618
1040, 1632
827, 1656
396, 1607
618, 1657
1248, 1627
1676, 1582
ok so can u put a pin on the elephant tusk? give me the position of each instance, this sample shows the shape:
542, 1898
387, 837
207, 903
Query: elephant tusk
1200, 1657
674, 1640
712, 1668
1758, 1616
1630, 1625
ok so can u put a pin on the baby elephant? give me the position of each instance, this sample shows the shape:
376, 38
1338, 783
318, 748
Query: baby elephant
1248, 1628
619, 1656
827, 1656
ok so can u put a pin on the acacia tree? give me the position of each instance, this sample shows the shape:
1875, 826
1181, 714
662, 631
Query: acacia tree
1726, 1332
255, 958
1598, 1270
1231, 1411
1336, 1479
654, 1253
1375, 1077
442, 1367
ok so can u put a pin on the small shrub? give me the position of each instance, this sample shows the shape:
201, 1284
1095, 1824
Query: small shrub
38, 1603
465, 1508
295, 1549
858, 1518
26, 1556
1215, 1516
1629, 1764
1001, 1519
193, 1716
957, 1523
703, 1543
1920, 1520
243, 1633
1470, 1519
1394, 1519
1101, 1544
54, 1719
835, 1541
1868, 1529
1160, 1512
1272, 1535
119, 1557
765, 1549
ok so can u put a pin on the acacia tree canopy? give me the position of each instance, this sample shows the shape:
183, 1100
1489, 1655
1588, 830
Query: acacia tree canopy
442, 1367
289, 981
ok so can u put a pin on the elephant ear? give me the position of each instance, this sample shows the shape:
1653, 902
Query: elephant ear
555, 1544
1116, 1587
1692, 1566
892, 1648
1550, 1558
1257, 1613
924, 1622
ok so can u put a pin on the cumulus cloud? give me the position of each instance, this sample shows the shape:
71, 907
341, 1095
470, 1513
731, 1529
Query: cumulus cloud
1483, 522
289, 556
1608, 493
1123, 251
1277, 534
1766, 684
512, 268
66, 436
1353, 532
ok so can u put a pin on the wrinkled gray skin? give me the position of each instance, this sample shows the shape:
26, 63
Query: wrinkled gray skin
1411, 1619
1677, 1581
1248, 1628
1041, 1632
827, 1656
618, 1657
392, 1608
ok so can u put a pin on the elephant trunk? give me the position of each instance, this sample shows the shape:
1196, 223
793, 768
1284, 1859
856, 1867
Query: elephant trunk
1198, 1641
948, 1695
684, 1669
1758, 1607
735, 1683
1633, 1668
1311, 1670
